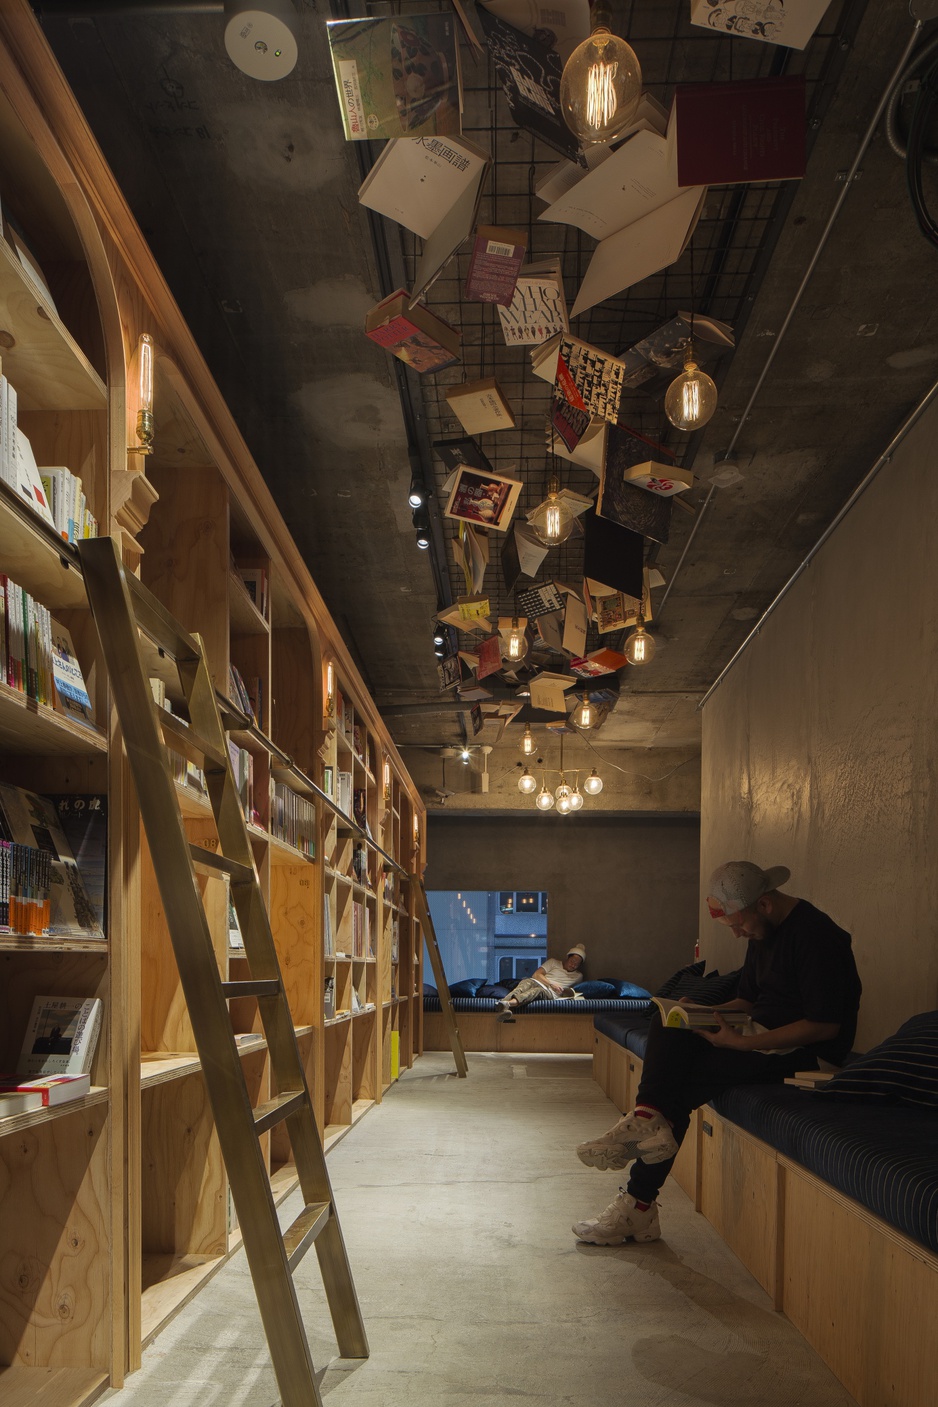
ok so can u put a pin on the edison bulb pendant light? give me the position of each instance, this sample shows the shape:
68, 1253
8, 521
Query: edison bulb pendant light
544, 800
640, 646
593, 784
576, 800
584, 715
563, 792
563, 805
526, 783
515, 645
552, 520
601, 87
528, 742
691, 399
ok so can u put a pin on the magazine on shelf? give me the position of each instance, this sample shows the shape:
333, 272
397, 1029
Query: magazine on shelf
31, 820
61, 1036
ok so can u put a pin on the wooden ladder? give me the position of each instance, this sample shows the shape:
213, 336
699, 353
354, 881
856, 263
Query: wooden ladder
442, 986
123, 608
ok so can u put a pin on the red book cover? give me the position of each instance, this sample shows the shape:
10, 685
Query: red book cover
752, 130
489, 655
497, 256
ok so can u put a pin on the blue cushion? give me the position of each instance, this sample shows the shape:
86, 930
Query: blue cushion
629, 989
429, 991
596, 989
903, 1070
695, 969
493, 989
468, 987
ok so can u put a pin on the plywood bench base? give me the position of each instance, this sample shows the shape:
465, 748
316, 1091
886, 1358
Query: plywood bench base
538, 1033
863, 1295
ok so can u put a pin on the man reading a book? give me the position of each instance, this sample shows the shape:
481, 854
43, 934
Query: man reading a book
551, 982
800, 988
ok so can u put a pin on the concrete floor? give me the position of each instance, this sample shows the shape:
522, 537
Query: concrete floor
456, 1198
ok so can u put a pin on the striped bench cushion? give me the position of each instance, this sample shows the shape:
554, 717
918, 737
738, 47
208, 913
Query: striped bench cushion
559, 1008
885, 1158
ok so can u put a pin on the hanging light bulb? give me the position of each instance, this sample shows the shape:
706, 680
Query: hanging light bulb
564, 806
526, 783
528, 743
585, 715
552, 520
515, 641
576, 799
601, 85
691, 399
593, 784
464, 756
564, 791
640, 646
544, 800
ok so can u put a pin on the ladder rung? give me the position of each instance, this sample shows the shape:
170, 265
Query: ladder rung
189, 743
218, 864
298, 1238
261, 988
274, 1111
156, 621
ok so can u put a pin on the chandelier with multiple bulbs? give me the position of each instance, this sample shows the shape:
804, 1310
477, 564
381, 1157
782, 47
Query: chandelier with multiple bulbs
564, 797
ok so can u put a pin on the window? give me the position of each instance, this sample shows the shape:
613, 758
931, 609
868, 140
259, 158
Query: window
500, 935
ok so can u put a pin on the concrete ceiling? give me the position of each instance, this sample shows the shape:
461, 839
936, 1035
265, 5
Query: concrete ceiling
247, 194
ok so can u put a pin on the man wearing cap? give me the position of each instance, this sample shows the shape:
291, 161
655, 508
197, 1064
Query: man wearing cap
551, 982
800, 987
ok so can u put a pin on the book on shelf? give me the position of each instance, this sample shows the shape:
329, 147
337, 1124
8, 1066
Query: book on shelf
529, 75
494, 265
633, 204
293, 820
71, 697
61, 1036
235, 936
328, 998
699, 1018
255, 584
27, 480
25, 882
413, 334
344, 793
538, 308
480, 406
751, 129
22, 1096
433, 188
328, 781
790, 24
26, 652
397, 76
33, 821
242, 768
358, 929
356, 1002
328, 937
369, 934
83, 819
71, 515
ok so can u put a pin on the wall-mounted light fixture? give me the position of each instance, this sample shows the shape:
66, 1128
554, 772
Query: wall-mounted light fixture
141, 380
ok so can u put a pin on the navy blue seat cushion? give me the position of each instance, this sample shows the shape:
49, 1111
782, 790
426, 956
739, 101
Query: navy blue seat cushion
429, 991
629, 989
596, 989
694, 969
886, 1158
628, 1029
902, 1070
495, 989
556, 1008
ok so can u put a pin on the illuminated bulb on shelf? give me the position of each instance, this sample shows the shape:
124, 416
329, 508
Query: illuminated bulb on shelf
552, 520
691, 399
544, 800
528, 744
576, 800
526, 783
639, 647
593, 784
601, 87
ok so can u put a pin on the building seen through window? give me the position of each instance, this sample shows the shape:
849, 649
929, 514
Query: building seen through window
498, 935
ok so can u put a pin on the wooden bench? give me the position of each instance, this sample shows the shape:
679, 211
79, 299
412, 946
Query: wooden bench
864, 1295
533, 1032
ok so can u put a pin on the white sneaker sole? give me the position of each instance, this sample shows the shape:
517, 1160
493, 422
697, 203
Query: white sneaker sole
609, 1157
595, 1237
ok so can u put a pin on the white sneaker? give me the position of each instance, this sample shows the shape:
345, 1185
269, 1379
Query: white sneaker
620, 1221
652, 1140
504, 1012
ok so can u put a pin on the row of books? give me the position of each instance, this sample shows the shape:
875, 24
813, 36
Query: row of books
71, 516
25, 882
37, 657
293, 819
242, 766
54, 494
255, 584
56, 1054
363, 943
343, 793
50, 827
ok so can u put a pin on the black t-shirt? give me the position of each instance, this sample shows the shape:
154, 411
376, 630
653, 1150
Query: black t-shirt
804, 971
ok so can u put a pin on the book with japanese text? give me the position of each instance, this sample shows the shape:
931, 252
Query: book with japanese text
397, 75
61, 1036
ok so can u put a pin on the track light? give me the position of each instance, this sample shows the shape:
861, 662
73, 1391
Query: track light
439, 638
421, 520
418, 494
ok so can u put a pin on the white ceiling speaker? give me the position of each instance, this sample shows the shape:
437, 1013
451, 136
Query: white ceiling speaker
261, 38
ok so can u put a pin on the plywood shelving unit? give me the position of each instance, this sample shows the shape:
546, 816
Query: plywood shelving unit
116, 1208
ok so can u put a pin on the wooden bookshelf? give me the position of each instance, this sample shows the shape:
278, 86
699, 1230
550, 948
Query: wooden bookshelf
134, 1168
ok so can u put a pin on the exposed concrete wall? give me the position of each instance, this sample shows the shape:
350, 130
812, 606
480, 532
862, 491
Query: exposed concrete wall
628, 888
821, 746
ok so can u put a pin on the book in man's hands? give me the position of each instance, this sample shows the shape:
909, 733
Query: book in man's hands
700, 1018
61, 1036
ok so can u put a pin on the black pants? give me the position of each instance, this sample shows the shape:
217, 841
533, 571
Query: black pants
683, 1071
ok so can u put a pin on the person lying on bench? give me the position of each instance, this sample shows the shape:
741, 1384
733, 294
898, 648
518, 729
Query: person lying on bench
551, 982
799, 984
